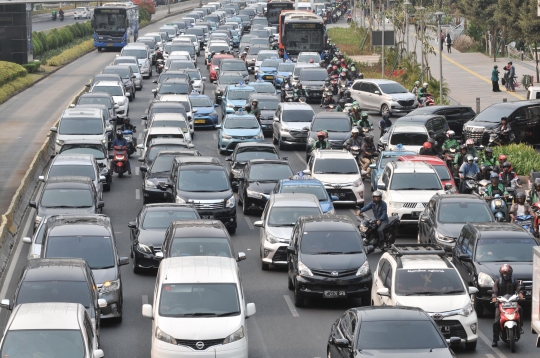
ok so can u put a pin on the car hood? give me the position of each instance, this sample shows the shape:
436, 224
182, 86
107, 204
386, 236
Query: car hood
119, 98
171, 97
401, 96
280, 232
333, 262
103, 275
242, 132
204, 110
152, 237
450, 229
296, 125
267, 114
236, 102
197, 83
200, 328
418, 196
142, 61
312, 83
408, 353
268, 69
65, 211
522, 270
262, 187
217, 195
412, 148
434, 304
332, 136
284, 74
159, 176
336, 178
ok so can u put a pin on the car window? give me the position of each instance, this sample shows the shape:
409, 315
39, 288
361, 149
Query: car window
383, 270
468, 113
345, 324
88, 328
388, 277
385, 176
438, 124
471, 243
365, 87
465, 243
429, 125
356, 86
373, 88
520, 113
533, 112
453, 114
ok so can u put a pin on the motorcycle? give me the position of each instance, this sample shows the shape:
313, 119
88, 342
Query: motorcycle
368, 230
128, 135
54, 17
430, 101
498, 207
496, 139
61, 17
334, 80
536, 209
509, 321
159, 66
289, 96
341, 90
449, 157
470, 184
327, 99
120, 159
349, 18
482, 187
355, 151
526, 222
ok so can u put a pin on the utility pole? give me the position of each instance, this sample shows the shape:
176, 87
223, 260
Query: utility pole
439, 15
406, 3
168, 7
383, 28
421, 28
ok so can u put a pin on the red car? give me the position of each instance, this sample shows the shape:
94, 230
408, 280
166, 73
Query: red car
438, 164
213, 66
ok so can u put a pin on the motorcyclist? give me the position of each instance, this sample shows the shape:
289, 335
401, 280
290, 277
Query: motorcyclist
120, 142
504, 130
53, 14
364, 122
321, 142
385, 122
348, 98
354, 140
427, 149
415, 89
495, 187
340, 106
534, 194
343, 81
299, 92
489, 160
130, 127
422, 94
502, 159
471, 149
467, 169
520, 207
484, 173
458, 160
354, 72
159, 55
507, 176
335, 71
450, 142
275, 45
255, 110
368, 152
61, 13
343, 63
379, 208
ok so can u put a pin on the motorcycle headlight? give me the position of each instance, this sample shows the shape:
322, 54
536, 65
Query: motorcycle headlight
226, 136
164, 337
358, 183
219, 91
363, 228
259, 136
364, 270
485, 280
60, 142
303, 270
254, 194
467, 310
231, 202
180, 200
109, 286
510, 316
143, 248
149, 184
236, 336
395, 205
38, 220
213, 114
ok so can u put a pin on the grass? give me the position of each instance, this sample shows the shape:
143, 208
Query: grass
45, 56
522, 156
72, 53
9, 89
349, 39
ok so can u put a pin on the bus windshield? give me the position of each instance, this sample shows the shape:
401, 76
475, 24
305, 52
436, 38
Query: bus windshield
303, 36
110, 21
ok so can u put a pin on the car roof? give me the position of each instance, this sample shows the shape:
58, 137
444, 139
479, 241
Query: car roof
56, 269
499, 230
82, 112
331, 153
162, 141
263, 96
295, 199
63, 159
337, 115
376, 80
423, 262
401, 127
83, 141
295, 105
391, 313
45, 316
198, 269
293, 182
168, 116
422, 158
418, 118
157, 206
198, 160
108, 83
164, 130
167, 105
268, 161
432, 109
460, 198
408, 167
255, 145
199, 228
86, 225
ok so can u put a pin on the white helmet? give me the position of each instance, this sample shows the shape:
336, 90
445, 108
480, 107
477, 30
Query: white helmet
450, 133
355, 130
425, 84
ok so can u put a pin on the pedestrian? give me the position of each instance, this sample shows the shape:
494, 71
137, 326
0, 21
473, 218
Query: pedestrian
495, 79
448, 41
511, 75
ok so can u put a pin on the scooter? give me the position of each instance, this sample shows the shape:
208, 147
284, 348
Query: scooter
429, 101
54, 17
498, 207
526, 222
159, 66
470, 184
327, 99
128, 135
536, 209
509, 321
61, 17
449, 156
481, 187
289, 96
368, 230
120, 159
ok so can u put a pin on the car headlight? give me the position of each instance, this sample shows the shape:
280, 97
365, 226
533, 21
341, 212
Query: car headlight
34, 256
149, 184
485, 280
164, 337
310, 141
364, 270
236, 336
331, 212
467, 310
272, 239
285, 130
110, 286
231, 202
303, 270
226, 136
60, 142
395, 204
358, 182
254, 194
121, 102
143, 248
213, 114
259, 136
104, 141
38, 220
180, 200
442, 238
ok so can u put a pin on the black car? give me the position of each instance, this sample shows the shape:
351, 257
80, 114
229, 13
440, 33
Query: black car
228, 78
456, 115
203, 182
387, 331
234, 65
245, 152
338, 126
480, 251
259, 178
59, 280
159, 171
67, 195
165, 107
327, 259
198, 238
173, 86
444, 217
156, 145
312, 80
148, 230
268, 104
175, 74
435, 125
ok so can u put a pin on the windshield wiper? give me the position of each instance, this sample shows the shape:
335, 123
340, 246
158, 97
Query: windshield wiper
199, 314
281, 225
407, 189
329, 253
352, 252
228, 314
78, 207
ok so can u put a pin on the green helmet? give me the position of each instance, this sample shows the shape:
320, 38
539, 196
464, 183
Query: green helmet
364, 115
417, 83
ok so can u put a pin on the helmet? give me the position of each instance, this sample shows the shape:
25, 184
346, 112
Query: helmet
255, 101
494, 175
342, 74
506, 271
417, 83
364, 115
521, 195
341, 102
377, 193
386, 115
425, 84
489, 150
321, 134
311, 61
353, 68
483, 167
469, 158
334, 67
355, 130
347, 93
426, 145
329, 67
450, 133
344, 70
507, 165
502, 158
469, 142
342, 60
368, 137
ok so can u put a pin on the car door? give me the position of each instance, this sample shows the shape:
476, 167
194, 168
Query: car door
364, 94
425, 222
532, 125
355, 91
374, 99
276, 125
347, 331
262, 231
292, 258
337, 333
460, 248
453, 118
469, 265
387, 272
385, 179
518, 121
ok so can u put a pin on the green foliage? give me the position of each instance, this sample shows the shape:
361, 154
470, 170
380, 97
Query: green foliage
43, 38
47, 44
143, 15
522, 156
349, 40
37, 45
476, 32
46, 55
10, 71
52, 40
8, 90
32, 67
72, 53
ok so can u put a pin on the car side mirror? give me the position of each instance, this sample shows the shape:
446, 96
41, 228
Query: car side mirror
102, 303
128, 94
27, 240
112, 156
71, 105
381, 186
218, 126
100, 204
465, 257
377, 92
144, 118
33, 204
41, 178
147, 311
448, 186
140, 146
250, 310
341, 342
87, 85
102, 179
116, 106
144, 168
139, 159
54, 129
306, 171
5, 303
241, 256
259, 223
473, 290
216, 105
123, 261
228, 159
203, 79
291, 250
132, 225
373, 166
383, 292
98, 353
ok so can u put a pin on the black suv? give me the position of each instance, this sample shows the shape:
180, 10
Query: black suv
456, 115
245, 152
202, 182
480, 251
338, 126
444, 217
312, 80
327, 259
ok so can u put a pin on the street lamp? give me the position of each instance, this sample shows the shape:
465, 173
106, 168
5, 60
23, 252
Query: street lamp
406, 3
439, 15
421, 27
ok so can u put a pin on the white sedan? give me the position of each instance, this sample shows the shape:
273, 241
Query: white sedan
82, 13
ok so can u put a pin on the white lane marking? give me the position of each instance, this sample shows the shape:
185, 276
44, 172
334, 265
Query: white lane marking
137, 194
139, 136
215, 135
143, 122
490, 356
137, 170
488, 343
291, 306
144, 299
249, 223
300, 157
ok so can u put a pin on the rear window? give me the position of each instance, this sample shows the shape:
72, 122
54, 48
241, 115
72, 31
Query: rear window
313, 75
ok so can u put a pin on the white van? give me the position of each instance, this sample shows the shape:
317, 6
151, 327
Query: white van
199, 309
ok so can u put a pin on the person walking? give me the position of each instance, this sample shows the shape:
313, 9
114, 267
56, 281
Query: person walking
448, 41
511, 75
495, 79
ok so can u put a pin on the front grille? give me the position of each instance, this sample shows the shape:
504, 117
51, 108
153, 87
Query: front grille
348, 288
299, 134
526, 285
242, 138
409, 102
280, 254
414, 205
456, 329
334, 273
208, 204
474, 133
342, 194
336, 144
204, 344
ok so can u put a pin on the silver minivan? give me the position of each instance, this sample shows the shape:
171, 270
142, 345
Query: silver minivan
383, 96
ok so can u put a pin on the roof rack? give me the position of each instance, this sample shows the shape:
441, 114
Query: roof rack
417, 249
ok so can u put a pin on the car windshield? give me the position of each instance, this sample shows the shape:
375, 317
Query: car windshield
408, 138
286, 67
297, 115
181, 65
194, 75
201, 102
463, 212
313, 75
81, 126
271, 63
218, 48
287, 216
188, 48
246, 122
98, 251
233, 66
187, 106
95, 149
122, 72
67, 198
174, 88
57, 343
54, 291
331, 125
263, 87
494, 114
134, 67
406, 334
245, 154
269, 172
331, 242
270, 104
181, 247
199, 300
155, 149
112, 90
162, 164
161, 219
336, 166
165, 76
140, 53
390, 88
254, 51
175, 47
415, 181
442, 171
387, 159
72, 170
239, 94
505, 250
95, 100
203, 180
170, 123
318, 190
230, 79
430, 282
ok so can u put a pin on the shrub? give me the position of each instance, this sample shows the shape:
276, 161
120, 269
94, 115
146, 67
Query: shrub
522, 156
32, 67
71, 54
143, 15
43, 38
10, 71
146, 5
52, 41
38, 47
9, 89
464, 43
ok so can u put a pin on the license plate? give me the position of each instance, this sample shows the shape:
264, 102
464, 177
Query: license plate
269, 77
335, 294
445, 329
202, 121
341, 195
415, 214
207, 216
110, 45
527, 293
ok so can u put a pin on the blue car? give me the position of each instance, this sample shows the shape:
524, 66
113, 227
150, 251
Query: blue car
384, 158
308, 186
235, 96
206, 115
268, 70
284, 70
238, 128
261, 86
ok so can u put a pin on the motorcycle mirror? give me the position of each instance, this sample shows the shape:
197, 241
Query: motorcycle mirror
370, 249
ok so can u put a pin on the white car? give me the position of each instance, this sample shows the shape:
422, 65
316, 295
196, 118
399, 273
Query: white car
161, 132
82, 13
305, 57
183, 99
421, 276
157, 37
172, 120
211, 319
215, 46
193, 39
407, 137
120, 96
263, 55
407, 188
143, 54
339, 172
197, 80
177, 57
277, 223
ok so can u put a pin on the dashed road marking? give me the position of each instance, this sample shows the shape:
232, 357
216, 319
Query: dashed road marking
137, 194
137, 170
300, 157
251, 227
215, 135
488, 343
139, 136
291, 306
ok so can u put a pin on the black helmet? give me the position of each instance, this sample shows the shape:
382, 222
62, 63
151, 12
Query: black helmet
463, 146
521, 195
368, 137
507, 165
506, 271
341, 102
489, 150
483, 167
347, 93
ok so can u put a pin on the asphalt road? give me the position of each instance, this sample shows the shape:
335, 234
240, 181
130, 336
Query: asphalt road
278, 329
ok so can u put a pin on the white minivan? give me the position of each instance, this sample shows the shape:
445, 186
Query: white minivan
199, 309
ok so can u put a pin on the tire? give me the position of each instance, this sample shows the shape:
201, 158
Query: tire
470, 346
328, 354
274, 140
245, 208
290, 283
232, 231
478, 307
511, 340
281, 145
385, 109
120, 175
298, 300
135, 268
264, 266
107, 187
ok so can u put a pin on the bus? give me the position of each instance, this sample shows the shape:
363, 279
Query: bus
281, 23
274, 8
115, 25
303, 32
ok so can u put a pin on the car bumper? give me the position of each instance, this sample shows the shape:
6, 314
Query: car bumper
406, 215
267, 125
275, 254
146, 260
138, 83
315, 286
113, 308
256, 201
145, 72
463, 327
397, 108
347, 194
154, 195
238, 349
314, 94
205, 122
289, 140
226, 216
230, 144
121, 111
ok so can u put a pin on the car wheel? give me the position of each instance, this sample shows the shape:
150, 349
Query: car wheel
274, 140
136, 268
470, 346
328, 354
264, 266
245, 208
478, 307
281, 145
298, 300
385, 109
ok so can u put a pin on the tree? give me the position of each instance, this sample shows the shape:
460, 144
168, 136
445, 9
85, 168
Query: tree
529, 24
482, 12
